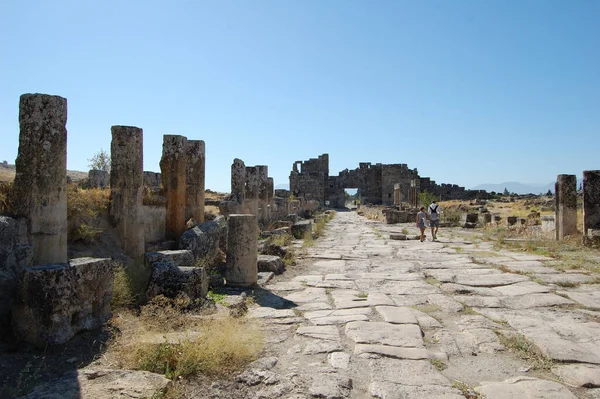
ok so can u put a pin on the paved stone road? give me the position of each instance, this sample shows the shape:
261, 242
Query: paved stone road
374, 317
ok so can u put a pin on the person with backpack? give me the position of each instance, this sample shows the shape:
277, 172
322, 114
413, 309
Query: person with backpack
434, 219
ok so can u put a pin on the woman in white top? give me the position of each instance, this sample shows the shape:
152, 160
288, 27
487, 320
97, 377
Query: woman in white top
421, 219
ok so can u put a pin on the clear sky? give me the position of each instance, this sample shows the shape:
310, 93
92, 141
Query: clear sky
468, 92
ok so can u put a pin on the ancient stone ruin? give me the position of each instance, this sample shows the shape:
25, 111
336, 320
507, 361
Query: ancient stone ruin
379, 184
565, 196
591, 206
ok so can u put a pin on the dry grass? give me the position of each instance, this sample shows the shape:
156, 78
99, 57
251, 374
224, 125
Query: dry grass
373, 213
7, 175
84, 208
209, 346
123, 297
7, 201
525, 349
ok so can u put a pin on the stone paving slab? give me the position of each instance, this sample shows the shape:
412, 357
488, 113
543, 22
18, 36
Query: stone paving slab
310, 306
403, 335
269, 313
484, 280
396, 315
524, 288
317, 346
330, 333
310, 277
407, 372
532, 266
587, 299
343, 316
398, 353
525, 387
565, 278
407, 288
286, 286
410, 300
308, 295
445, 303
465, 289
348, 299
425, 321
390, 390
578, 375
514, 302
330, 266
339, 360
350, 285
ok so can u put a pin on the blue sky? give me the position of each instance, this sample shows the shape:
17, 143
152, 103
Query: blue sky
468, 92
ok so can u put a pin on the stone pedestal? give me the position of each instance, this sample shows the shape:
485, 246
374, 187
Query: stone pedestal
41, 175
195, 180
591, 202
565, 197
126, 179
173, 167
54, 302
242, 248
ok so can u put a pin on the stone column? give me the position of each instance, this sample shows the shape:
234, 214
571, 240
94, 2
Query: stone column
252, 190
397, 196
263, 192
238, 181
270, 202
195, 181
591, 202
242, 246
41, 175
565, 197
126, 180
173, 167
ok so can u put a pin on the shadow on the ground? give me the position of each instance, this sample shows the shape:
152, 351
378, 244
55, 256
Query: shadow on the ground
268, 299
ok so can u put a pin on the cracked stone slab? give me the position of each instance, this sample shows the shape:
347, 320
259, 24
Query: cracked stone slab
345, 284
579, 375
587, 299
565, 278
514, 302
413, 287
525, 387
410, 300
308, 295
330, 333
465, 289
329, 384
487, 280
390, 390
531, 266
404, 335
470, 322
316, 346
406, 372
286, 286
396, 315
354, 299
270, 313
310, 277
524, 288
399, 353
445, 303
425, 321
310, 306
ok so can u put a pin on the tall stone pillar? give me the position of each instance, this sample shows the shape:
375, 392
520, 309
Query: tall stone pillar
238, 181
242, 246
565, 197
41, 175
415, 190
591, 204
263, 192
195, 180
126, 180
252, 190
397, 195
173, 167
270, 201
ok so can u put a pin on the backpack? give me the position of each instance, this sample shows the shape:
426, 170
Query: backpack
432, 209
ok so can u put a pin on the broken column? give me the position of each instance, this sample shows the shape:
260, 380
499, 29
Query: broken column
242, 248
415, 190
41, 175
238, 181
195, 181
397, 195
565, 197
126, 179
173, 168
263, 193
252, 189
270, 201
591, 205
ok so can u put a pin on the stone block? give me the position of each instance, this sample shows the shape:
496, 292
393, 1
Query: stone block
270, 263
591, 200
469, 225
512, 220
301, 228
397, 236
203, 240
98, 178
472, 217
179, 257
170, 280
54, 302
14, 258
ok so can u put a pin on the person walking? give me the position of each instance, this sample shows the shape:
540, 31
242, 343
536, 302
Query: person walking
421, 219
434, 219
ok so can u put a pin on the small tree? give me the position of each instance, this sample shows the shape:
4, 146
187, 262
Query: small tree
100, 161
426, 198
506, 193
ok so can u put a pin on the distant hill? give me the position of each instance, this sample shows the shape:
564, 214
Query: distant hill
8, 171
282, 186
516, 187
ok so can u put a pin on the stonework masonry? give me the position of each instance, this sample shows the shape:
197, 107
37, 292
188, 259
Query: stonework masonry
41, 175
375, 183
195, 180
173, 166
242, 247
591, 203
566, 205
126, 178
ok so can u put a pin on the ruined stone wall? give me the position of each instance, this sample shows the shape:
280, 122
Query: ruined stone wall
310, 181
396, 174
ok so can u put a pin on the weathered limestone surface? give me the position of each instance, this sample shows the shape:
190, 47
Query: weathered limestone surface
14, 258
565, 205
270, 263
299, 229
263, 192
525, 387
253, 183
94, 383
98, 178
170, 280
241, 266
591, 201
41, 175
173, 167
54, 302
126, 179
203, 240
195, 152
